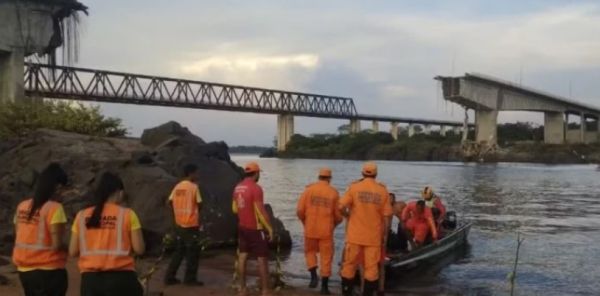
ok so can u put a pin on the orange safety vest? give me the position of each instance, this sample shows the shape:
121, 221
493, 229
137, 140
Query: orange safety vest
106, 248
33, 243
185, 206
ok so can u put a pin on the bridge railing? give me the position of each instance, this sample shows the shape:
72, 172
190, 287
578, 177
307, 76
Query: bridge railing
105, 86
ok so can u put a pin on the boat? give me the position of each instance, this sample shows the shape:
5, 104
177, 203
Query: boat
454, 241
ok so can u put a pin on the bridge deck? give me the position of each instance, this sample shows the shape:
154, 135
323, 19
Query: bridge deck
83, 84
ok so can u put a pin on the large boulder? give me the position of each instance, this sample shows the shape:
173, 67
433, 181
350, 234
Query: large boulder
149, 168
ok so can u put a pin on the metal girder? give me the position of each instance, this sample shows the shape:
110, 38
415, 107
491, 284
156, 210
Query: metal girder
105, 86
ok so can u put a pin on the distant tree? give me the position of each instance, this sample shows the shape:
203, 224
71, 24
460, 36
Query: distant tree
344, 129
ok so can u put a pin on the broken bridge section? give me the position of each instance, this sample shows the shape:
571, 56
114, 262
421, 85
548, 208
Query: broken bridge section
488, 95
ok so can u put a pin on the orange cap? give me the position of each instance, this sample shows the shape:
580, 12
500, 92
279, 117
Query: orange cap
325, 172
369, 169
251, 167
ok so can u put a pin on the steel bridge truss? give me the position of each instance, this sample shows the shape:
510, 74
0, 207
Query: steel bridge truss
71, 83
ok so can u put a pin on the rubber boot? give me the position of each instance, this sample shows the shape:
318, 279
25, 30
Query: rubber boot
325, 286
347, 287
314, 280
370, 288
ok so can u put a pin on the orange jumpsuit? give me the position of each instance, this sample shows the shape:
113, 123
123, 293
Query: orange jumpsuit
420, 224
318, 211
369, 205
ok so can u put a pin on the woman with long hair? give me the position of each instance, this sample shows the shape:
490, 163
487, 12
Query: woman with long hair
39, 252
104, 236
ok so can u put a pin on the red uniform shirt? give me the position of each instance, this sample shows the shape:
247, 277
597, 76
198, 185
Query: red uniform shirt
249, 206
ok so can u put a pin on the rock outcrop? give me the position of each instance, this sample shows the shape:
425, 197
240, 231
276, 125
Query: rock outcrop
149, 167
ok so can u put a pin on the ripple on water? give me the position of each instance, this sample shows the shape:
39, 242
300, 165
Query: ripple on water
556, 207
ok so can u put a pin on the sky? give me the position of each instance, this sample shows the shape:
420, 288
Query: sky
384, 54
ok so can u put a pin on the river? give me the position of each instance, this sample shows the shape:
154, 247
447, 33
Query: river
555, 207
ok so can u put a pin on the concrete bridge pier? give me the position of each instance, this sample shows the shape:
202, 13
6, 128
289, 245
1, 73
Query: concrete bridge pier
554, 128
285, 130
486, 126
443, 130
394, 130
11, 75
427, 129
354, 126
375, 126
411, 130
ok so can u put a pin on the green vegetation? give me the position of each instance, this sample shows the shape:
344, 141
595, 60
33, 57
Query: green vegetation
248, 149
367, 145
19, 119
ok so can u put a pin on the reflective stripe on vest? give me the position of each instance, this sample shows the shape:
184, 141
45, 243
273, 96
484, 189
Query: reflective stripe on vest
430, 203
41, 235
117, 251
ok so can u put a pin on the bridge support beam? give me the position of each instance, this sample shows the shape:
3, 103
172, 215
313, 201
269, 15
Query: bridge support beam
427, 129
411, 130
285, 130
375, 126
443, 130
11, 75
394, 130
354, 126
554, 128
486, 126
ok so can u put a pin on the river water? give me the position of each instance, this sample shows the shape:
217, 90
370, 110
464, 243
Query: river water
556, 208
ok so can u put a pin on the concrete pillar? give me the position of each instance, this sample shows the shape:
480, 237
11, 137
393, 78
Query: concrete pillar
394, 130
411, 130
12, 75
354, 126
375, 128
582, 127
285, 130
427, 129
486, 125
443, 130
554, 128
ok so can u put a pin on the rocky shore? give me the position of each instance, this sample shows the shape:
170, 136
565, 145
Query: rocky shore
149, 166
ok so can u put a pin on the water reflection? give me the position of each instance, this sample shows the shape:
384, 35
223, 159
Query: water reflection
555, 206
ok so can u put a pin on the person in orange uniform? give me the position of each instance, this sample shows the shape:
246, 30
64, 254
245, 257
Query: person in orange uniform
105, 236
433, 201
186, 201
254, 228
367, 206
318, 211
39, 254
418, 220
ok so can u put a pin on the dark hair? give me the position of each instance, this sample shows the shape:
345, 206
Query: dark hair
421, 203
52, 176
189, 169
392, 197
108, 185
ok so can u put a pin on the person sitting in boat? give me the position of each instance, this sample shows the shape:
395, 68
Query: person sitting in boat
397, 241
418, 220
434, 202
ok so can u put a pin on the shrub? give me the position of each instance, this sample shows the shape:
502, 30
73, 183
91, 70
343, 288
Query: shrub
20, 118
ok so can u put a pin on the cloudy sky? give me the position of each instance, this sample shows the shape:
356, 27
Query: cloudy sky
383, 54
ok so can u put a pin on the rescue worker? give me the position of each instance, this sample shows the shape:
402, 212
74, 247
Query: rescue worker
367, 206
105, 236
39, 253
186, 202
254, 228
318, 211
433, 201
418, 220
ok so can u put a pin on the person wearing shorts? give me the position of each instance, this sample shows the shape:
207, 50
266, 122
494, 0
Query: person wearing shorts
254, 229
